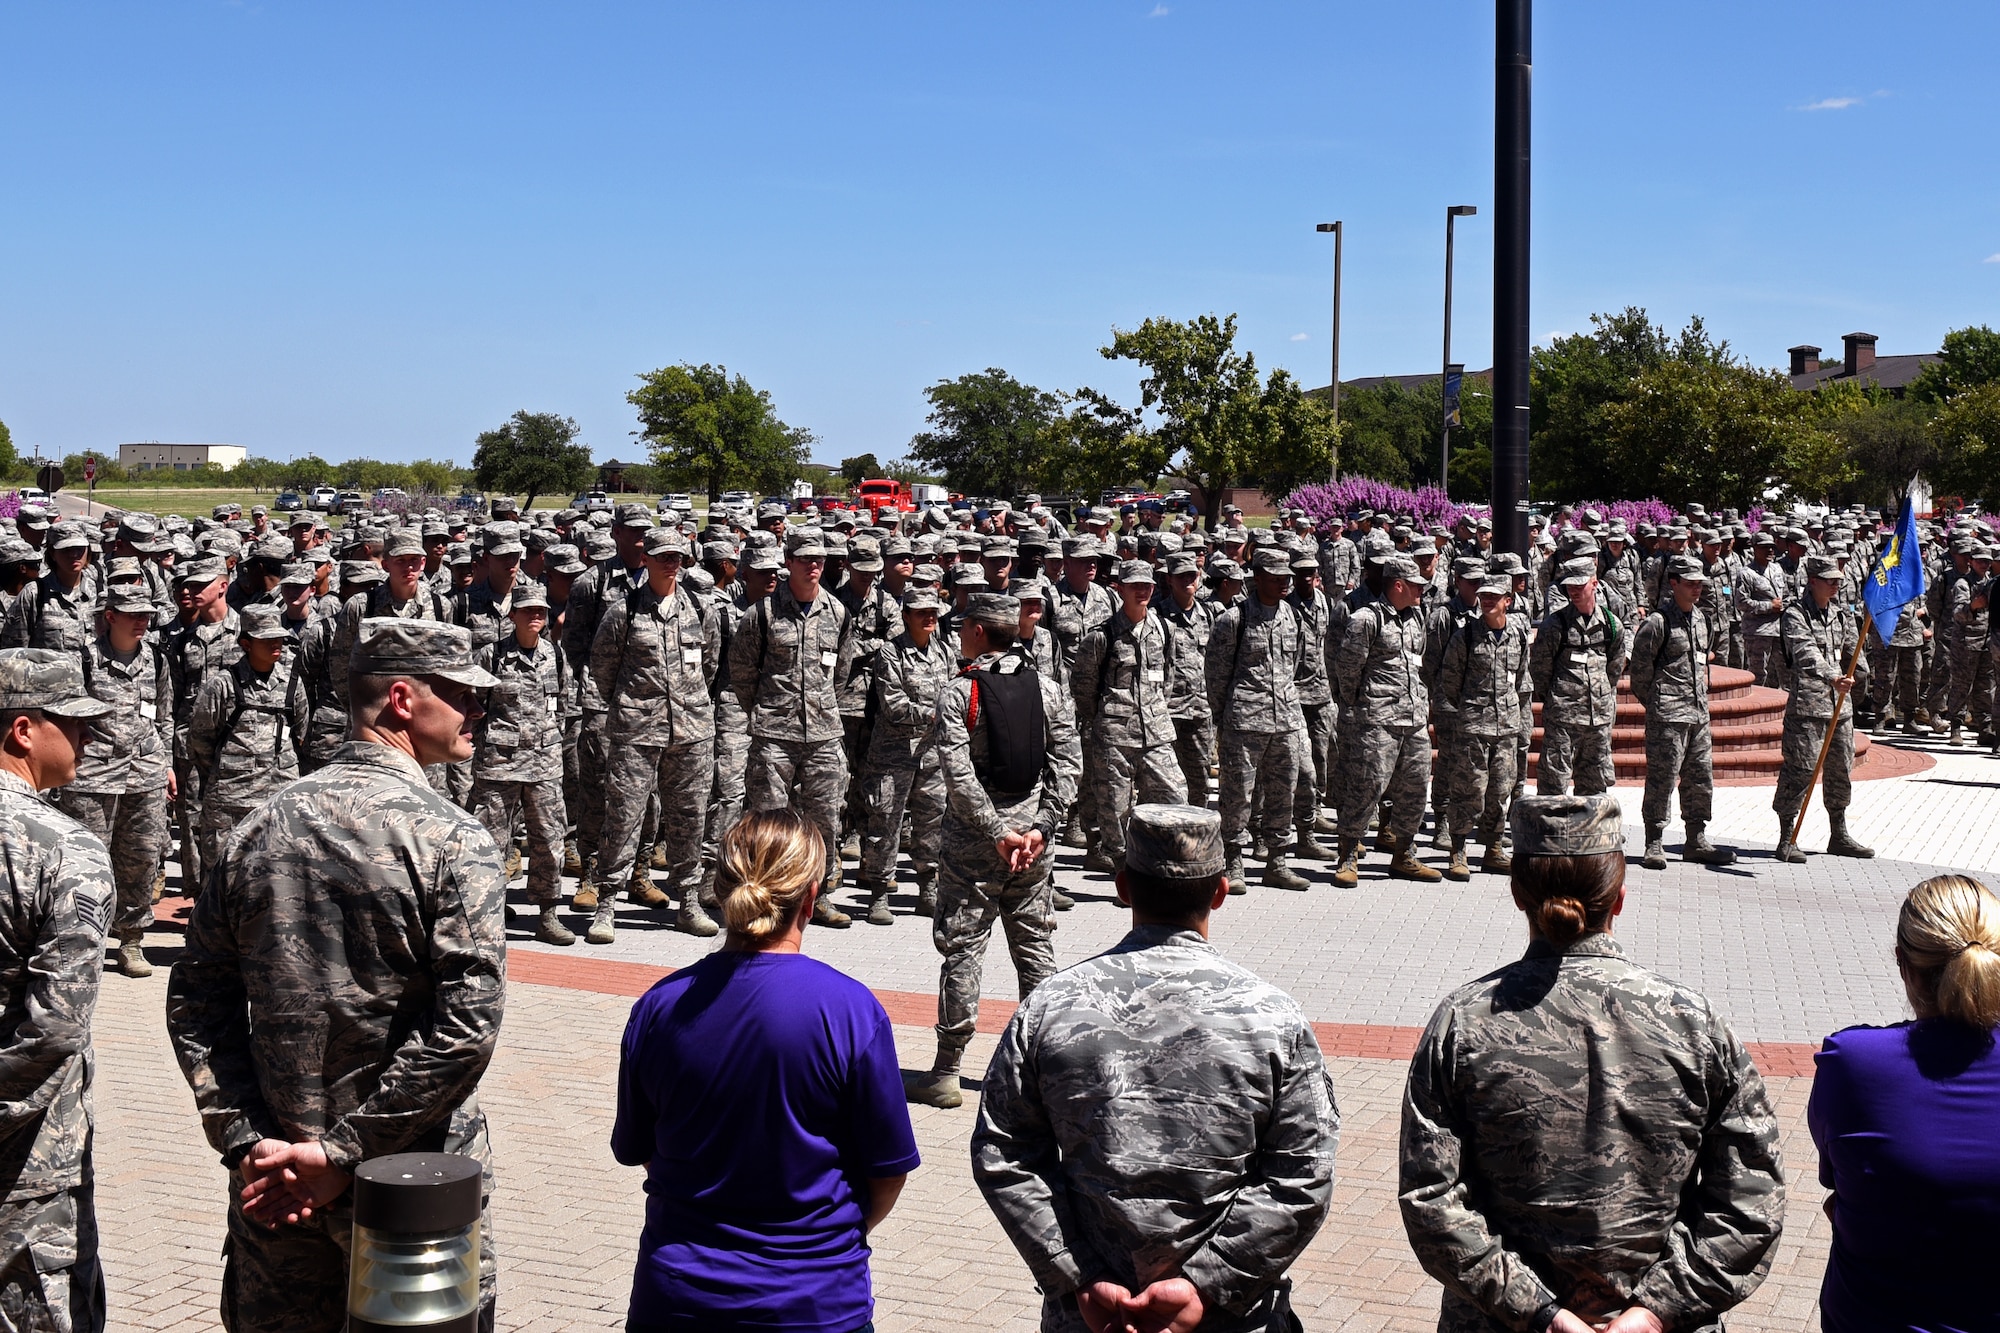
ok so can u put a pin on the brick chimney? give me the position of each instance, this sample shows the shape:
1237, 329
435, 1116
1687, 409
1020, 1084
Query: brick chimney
1860, 349
1805, 359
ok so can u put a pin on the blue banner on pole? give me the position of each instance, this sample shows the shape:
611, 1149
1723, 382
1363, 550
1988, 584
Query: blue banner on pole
1453, 382
1897, 576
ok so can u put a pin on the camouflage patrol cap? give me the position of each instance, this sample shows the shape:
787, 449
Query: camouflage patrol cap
1222, 567
392, 646
993, 608
1764, 539
358, 574
1468, 567
1030, 590
261, 622
1271, 560
1496, 583
203, 570
1174, 842
540, 538
528, 595
67, 534
1577, 571
1304, 561
403, 541
562, 558
633, 516
1567, 825
1133, 571
1689, 569
124, 569
762, 559
1822, 567
1182, 562
1080, 548
33, 517
302, 519
805, 544
1506, 562
500, 539
664, 541
921, 599
1400, 566
864, 556
142, 531
14, 551
967, 576
897, 547
129, 599
297, 574
927, 575
42, 679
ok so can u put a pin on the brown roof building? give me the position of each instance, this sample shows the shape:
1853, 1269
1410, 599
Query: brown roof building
1859, 364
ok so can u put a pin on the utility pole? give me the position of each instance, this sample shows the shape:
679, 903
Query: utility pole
1334, 391
1513, 92
1451, 217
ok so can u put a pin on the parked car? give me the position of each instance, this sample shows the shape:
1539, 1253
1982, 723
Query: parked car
468, 503
676, 503
592, 502
33, 495
288, 502
324, 498
738, 500
385, 496
350, 503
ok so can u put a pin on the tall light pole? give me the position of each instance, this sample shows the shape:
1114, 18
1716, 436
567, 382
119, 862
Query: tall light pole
1451, 217
1334, 392
1513, 68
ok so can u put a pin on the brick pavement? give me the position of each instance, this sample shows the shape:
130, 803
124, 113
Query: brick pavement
567, 1218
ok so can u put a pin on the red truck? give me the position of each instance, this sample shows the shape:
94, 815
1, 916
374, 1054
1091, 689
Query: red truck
880, 495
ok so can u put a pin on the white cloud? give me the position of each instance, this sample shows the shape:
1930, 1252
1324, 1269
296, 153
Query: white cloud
1833, 104
1301, 337
1992, 259
1159, 12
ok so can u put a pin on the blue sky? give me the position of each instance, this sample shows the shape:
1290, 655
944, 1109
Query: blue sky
381, 228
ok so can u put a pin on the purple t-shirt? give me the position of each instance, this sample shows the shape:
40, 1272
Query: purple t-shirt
761, 1092
1907, 1122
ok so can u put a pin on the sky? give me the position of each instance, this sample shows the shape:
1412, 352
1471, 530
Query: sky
375, 230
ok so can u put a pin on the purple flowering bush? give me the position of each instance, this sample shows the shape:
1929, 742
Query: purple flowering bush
1329, 504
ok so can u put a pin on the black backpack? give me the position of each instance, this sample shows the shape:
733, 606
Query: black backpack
1007, 701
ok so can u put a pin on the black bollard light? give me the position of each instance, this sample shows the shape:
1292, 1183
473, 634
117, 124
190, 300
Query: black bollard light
416, 1245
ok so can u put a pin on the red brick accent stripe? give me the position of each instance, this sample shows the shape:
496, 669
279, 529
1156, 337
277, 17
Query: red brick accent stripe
1358, 1041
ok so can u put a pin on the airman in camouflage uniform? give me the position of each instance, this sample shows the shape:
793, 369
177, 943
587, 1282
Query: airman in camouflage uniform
1968, 695
656, 654
1158, 1123
1082, 604
784, 665
1579, 653
291, 1077
1819, 642
517, 757
1671, 653
1315, 617
401, 594
244, 732
1251, 674
1897, 667
1120, 688
1188, 619
873, 618
59, 609
1009, 779
121, 785
903, 773
53, 915
1538, 1177
1378, 677
594, 593
759, 571
1480, 695
1760, 597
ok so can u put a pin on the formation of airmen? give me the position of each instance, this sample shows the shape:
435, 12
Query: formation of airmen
657, 680
325, 715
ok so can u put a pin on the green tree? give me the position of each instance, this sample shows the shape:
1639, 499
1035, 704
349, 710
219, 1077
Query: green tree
1970, 357
306, 472
7, 455
429, 476
709, 430
1965, 438
1293, 440
1100, 443
534, 454
858, 469
1883, 437
989, 434
1390, 433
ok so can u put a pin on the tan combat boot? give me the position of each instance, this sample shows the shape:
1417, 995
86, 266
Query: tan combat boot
572, 862
1349, 872
603, 927
549, 929
643, 891
1406, 866
132, 956
694, 921
1496, 861
1458, 871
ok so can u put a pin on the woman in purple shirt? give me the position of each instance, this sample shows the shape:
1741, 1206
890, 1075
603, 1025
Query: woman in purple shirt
1907, 1121
760, 1090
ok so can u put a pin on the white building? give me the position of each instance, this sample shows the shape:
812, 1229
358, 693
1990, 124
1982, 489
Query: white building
153, 456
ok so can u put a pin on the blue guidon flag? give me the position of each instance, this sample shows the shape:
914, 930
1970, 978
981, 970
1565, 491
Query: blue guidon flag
1897, 576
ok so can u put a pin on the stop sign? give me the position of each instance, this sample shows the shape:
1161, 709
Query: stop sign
90, 469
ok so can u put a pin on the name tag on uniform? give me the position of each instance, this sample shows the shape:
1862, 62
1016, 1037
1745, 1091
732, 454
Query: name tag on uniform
828, 659
555, 704
690, 657
149, 711
1155, 676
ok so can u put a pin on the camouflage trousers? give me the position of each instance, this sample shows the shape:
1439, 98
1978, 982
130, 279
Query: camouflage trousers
52, 1281
1574, 756
498, 805
1394, 762
1254, 765
855, 733
1730, 649
975, 887
889, 794
294, 1279
1194, 747
1763, 655
1315, 763
725, 796
1678, 752
187, 821
588, 812
1478, 773
807, 776
1896, 674
1969, 697
679, 776
133, 828
571, 791
217, 821
1129, 775
1802, 739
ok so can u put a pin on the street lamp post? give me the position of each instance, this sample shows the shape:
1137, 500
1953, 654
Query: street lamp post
1513, 61
1333, 393
1451, 217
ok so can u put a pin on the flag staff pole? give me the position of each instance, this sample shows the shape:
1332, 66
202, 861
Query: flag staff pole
1833, 723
